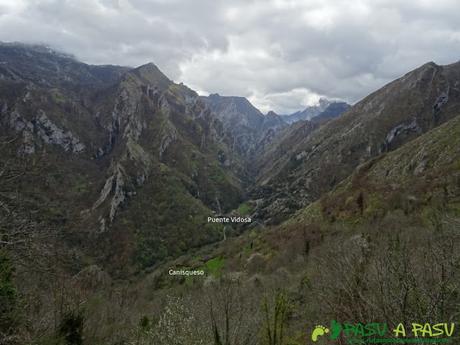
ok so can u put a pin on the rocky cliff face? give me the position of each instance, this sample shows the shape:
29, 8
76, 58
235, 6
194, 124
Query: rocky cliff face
383, 121
251, 131
271, 126
114, 133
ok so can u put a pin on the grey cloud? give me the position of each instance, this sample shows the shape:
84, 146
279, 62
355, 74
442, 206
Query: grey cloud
282, 54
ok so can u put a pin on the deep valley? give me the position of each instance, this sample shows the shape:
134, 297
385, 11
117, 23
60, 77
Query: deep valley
113, 177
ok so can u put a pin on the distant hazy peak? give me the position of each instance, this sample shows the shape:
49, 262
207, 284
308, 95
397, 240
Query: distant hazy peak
309, 112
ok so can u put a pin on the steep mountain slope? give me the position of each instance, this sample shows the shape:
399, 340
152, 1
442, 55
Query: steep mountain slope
250, 129
391, 116
421, 177
333, 110
131, 154
270, 128
276, 152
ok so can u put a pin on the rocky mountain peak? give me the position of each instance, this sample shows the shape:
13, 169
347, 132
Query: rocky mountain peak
151, 74
429, 64
234, 111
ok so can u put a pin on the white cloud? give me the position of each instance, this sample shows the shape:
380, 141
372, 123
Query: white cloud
284, 102
281, 54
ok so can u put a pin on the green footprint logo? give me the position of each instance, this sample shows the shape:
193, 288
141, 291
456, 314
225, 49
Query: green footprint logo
318, 331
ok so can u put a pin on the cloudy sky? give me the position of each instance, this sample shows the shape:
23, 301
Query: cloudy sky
281, 54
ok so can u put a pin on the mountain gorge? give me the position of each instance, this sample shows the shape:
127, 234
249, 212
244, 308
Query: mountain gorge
110, 175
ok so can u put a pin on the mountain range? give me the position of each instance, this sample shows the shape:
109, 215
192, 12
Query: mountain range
110, 175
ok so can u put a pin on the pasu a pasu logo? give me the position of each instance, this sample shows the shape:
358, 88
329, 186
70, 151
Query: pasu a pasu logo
375, 332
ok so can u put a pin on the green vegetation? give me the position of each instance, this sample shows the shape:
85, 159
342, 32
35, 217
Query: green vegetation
167, 221
214, 266
57, 97
244, 209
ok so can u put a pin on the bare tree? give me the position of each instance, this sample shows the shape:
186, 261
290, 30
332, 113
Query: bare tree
402, 276
233, 312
